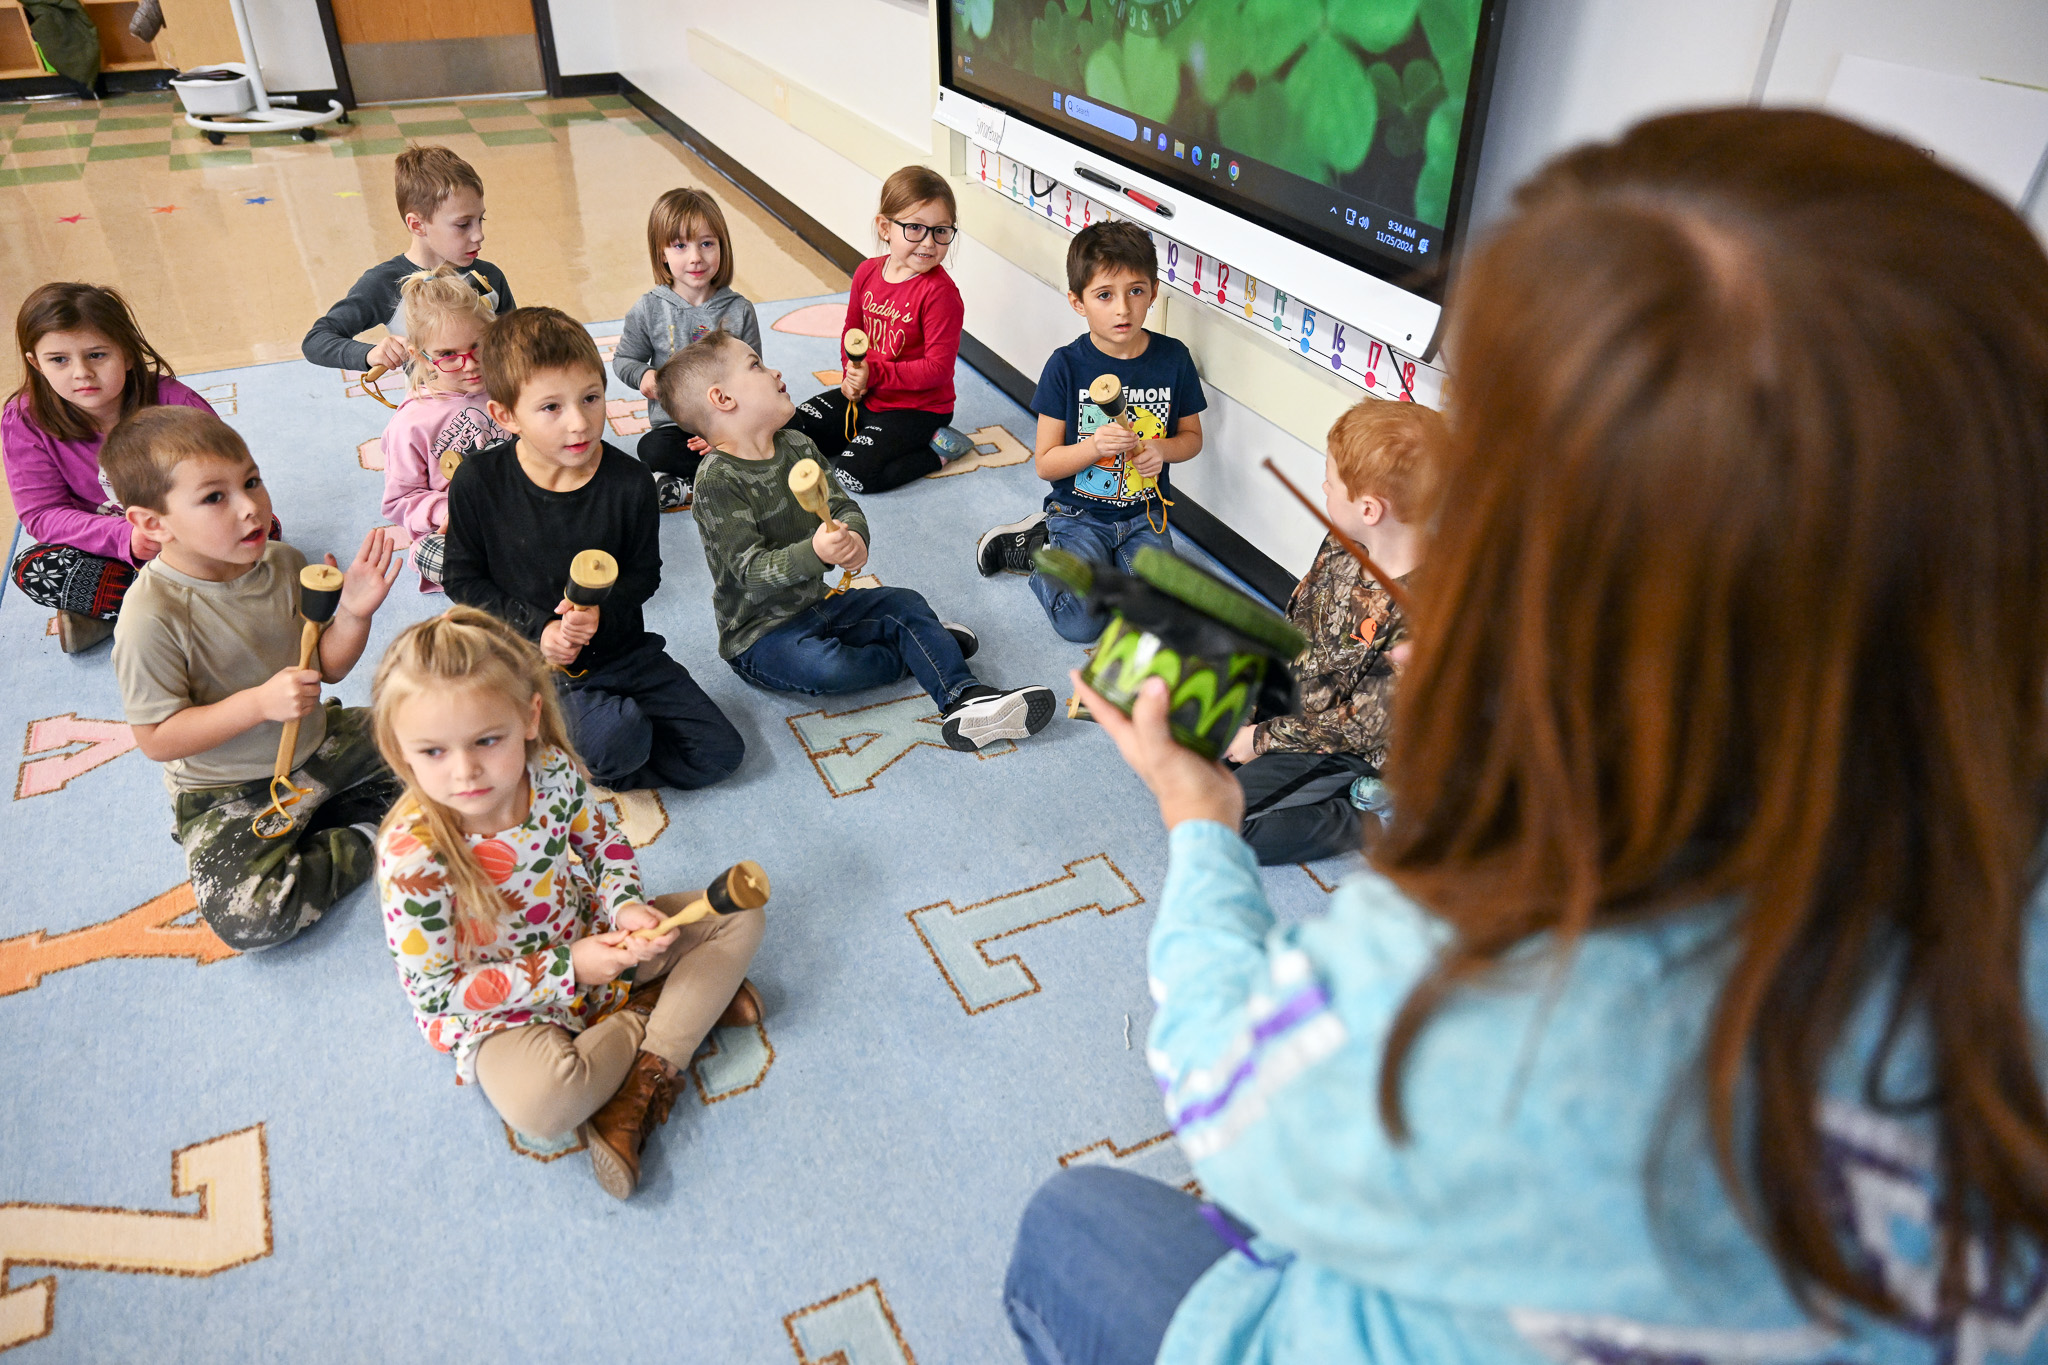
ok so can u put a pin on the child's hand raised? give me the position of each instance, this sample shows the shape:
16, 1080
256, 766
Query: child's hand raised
853, 380
648, 386
288, 694
390, 353
699, 446
837, 545
370, 574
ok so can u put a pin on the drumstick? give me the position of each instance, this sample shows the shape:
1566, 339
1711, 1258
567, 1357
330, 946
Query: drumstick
807, 484
319, 595
1394, 590
743, 886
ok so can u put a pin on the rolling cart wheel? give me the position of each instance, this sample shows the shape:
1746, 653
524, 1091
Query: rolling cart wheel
307, 134
215, 138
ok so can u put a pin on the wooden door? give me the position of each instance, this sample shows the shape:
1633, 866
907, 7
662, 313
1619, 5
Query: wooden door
434, 49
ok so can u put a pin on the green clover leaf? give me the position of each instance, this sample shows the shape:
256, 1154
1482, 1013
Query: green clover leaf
1440, 154
1334, 103
1450, 26
1271, 31
979, 14
1374, 25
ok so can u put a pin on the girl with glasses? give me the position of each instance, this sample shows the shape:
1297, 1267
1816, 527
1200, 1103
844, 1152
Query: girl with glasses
447, 415
888, 421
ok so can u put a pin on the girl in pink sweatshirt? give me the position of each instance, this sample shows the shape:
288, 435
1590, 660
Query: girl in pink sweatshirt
446, 418
87, 366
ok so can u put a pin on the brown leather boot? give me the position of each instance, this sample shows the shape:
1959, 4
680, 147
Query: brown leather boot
619, 1130
745, 1008
644, 994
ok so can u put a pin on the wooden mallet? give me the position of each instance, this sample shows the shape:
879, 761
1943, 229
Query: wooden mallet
743, 886
592, 575
1107, 393
319, 595
856, 344
807, 485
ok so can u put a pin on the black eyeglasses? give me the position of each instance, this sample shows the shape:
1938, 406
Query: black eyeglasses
914, 232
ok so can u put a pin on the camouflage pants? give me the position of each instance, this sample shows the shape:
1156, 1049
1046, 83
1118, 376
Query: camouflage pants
256, 892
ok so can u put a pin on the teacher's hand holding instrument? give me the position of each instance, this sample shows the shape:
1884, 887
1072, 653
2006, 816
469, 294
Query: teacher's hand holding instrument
743, 886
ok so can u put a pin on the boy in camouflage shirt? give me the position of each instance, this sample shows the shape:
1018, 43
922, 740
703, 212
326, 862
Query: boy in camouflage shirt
1298, 770
778, 625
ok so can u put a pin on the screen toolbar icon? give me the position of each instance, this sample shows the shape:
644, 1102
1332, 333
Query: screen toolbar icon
1180, 149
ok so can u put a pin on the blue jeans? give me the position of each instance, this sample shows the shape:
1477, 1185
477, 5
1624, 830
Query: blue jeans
1100, 541
1103, 1258
866, 637
640, 720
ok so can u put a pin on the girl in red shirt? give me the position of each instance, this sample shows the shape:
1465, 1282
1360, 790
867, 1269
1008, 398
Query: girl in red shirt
910, 309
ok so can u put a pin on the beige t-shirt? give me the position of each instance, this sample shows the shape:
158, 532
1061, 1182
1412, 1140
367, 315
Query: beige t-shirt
182, 641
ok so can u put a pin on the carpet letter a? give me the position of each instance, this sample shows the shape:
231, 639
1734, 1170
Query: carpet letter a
850, 749
957, 939
104, 741
231, 1176
149, 930
850, 1328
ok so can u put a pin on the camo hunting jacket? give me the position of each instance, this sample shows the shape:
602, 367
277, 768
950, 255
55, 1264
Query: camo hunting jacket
1346, 677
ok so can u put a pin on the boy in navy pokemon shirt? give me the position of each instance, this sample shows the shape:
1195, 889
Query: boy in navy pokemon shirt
1111, 480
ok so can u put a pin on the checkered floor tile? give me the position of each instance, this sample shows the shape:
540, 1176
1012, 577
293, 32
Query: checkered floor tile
44, 142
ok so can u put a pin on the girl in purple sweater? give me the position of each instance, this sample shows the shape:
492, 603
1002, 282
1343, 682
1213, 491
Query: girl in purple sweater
87, 366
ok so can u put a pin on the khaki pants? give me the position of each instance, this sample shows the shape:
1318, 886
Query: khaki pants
544, 1080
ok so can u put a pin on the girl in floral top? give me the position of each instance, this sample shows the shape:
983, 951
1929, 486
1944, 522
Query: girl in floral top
510, 904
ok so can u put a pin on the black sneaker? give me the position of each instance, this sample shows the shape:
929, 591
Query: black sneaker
1008, 549
983, 715
671, 492
963, 637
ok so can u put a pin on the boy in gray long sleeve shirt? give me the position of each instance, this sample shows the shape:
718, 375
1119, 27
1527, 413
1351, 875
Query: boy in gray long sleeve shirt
441, 199
691, 252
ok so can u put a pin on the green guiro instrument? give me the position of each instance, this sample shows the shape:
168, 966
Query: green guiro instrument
1222, 655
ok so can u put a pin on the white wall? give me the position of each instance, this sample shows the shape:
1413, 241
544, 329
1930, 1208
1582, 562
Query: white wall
1575, 70
586, 36
290, 46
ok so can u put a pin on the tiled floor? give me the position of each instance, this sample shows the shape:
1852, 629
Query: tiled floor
228, 254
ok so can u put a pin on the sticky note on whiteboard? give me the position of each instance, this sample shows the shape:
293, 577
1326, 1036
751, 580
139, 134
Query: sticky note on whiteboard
1992, 131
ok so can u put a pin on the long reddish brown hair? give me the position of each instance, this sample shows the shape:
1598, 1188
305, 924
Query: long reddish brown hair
1742, 588
69, 307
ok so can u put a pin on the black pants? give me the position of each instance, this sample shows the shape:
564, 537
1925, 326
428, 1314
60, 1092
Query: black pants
888, 450
640, 720
666, 450
1297, 807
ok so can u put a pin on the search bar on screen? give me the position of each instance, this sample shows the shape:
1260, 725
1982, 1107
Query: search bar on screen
1108, 120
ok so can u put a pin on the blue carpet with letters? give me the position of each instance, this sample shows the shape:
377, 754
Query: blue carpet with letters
209, 1157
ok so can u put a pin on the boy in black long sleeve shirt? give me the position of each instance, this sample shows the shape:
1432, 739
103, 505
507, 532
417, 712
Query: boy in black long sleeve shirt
520, 510
441, 200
